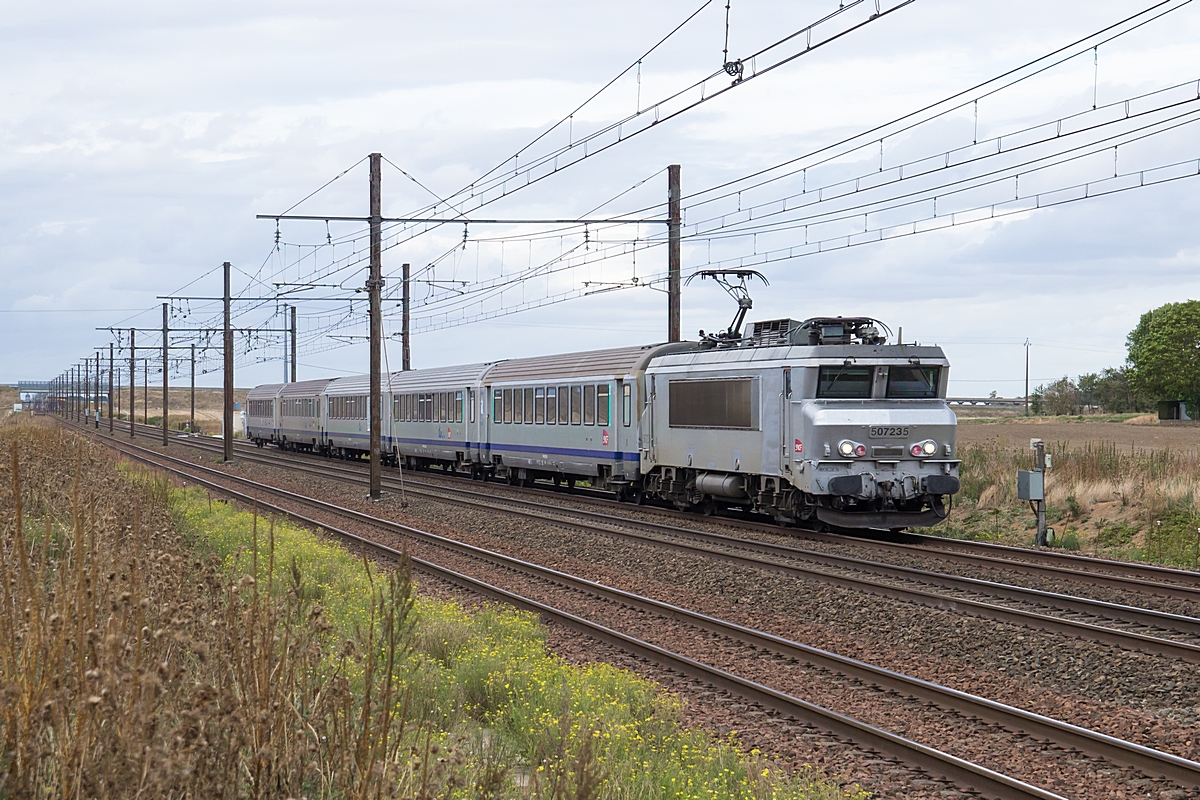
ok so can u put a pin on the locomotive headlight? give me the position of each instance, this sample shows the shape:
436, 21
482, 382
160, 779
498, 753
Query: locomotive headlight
923, 449
851, 449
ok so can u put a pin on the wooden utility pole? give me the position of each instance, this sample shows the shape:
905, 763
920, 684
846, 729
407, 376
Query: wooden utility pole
97, 390
132, 379
145, 391
674, 259
192, 420
1027, 377
405, 347
374, 287
166, 371
293, 344
85, 389
110, 388
228, 352
285, 345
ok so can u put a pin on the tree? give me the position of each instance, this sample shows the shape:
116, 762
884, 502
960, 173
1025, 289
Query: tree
1112, 391
1164, 354
1059, 398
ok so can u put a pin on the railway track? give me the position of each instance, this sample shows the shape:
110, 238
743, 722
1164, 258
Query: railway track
1128, 627
970, 776
1126, 575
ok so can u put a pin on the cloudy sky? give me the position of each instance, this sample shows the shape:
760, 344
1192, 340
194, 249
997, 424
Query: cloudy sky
138, 141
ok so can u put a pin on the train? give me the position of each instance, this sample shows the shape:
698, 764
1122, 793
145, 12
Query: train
815, 421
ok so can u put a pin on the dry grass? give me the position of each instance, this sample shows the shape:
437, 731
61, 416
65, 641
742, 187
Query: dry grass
129, 669
157, 644
1149, 496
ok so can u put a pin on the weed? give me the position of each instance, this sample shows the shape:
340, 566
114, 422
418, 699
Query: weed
156, 643
1073, 507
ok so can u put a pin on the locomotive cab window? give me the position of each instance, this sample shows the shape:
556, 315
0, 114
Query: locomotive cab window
843, 382
913, 383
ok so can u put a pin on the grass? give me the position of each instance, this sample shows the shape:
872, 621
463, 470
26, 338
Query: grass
1035, 420
1111, 501
158, 643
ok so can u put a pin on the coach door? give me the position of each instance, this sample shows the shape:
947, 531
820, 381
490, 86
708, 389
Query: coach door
788, 444
646, 447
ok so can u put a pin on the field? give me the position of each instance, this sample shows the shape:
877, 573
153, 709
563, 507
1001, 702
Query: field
209, 404
157, 643
1124, 489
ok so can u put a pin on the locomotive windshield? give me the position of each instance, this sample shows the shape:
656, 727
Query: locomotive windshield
913, 383
845, 382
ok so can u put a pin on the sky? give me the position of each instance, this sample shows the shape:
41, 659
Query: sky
139, 140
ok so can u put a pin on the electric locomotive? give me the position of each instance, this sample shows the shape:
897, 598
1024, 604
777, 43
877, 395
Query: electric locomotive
820, 419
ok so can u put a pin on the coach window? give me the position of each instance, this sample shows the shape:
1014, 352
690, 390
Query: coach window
539, 406
626, 405
528, 406
497, 406
518, 406
471, 404
508, 415
551, 406
458, 406
576, 405
564, 405
589, 404
602, 410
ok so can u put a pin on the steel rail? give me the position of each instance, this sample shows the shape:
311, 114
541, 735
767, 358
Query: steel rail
963, 772
1085, 566
1129, 640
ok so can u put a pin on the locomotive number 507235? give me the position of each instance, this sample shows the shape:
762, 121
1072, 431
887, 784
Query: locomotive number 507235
886, 431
